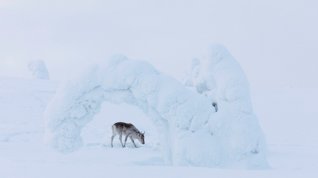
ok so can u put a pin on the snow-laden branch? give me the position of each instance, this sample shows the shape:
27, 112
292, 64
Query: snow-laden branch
192, 132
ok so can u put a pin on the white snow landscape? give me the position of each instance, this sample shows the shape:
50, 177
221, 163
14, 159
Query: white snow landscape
292, 151
71, 69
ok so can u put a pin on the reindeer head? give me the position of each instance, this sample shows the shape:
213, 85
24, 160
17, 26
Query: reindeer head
141, 137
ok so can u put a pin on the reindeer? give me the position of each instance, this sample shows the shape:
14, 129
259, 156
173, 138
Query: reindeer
128, 130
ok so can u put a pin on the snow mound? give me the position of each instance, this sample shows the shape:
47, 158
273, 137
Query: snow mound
38, 69
192, 133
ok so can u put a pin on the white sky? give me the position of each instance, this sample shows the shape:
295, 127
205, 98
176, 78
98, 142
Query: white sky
276, 41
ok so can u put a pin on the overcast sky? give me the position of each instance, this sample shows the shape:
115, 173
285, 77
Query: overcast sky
275, 41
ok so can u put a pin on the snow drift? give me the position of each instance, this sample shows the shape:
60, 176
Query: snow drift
192, 132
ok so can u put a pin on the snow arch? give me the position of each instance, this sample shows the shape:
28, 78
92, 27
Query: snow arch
192, 133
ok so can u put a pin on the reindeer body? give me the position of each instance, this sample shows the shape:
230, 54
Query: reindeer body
128, 130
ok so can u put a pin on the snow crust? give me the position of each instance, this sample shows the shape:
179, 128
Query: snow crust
191, 132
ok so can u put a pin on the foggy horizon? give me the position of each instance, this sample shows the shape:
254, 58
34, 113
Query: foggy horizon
275, 41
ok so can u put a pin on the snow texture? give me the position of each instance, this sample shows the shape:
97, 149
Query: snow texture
38, 69
192, 133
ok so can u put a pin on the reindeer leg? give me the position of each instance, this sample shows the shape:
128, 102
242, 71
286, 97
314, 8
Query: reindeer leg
126, 139
132, 140
111, 143
120, 138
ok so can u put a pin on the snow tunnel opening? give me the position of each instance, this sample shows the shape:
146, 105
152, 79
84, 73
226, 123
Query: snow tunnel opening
98, 131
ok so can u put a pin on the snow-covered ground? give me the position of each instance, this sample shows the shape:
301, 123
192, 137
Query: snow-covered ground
287, 116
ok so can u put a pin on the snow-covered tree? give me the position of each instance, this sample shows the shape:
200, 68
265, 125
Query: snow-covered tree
38, 69
192, 132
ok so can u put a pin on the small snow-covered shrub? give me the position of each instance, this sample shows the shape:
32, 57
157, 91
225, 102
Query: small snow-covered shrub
38, 69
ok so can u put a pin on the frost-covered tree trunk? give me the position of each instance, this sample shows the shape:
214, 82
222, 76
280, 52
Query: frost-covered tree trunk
38, 69
192, 133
